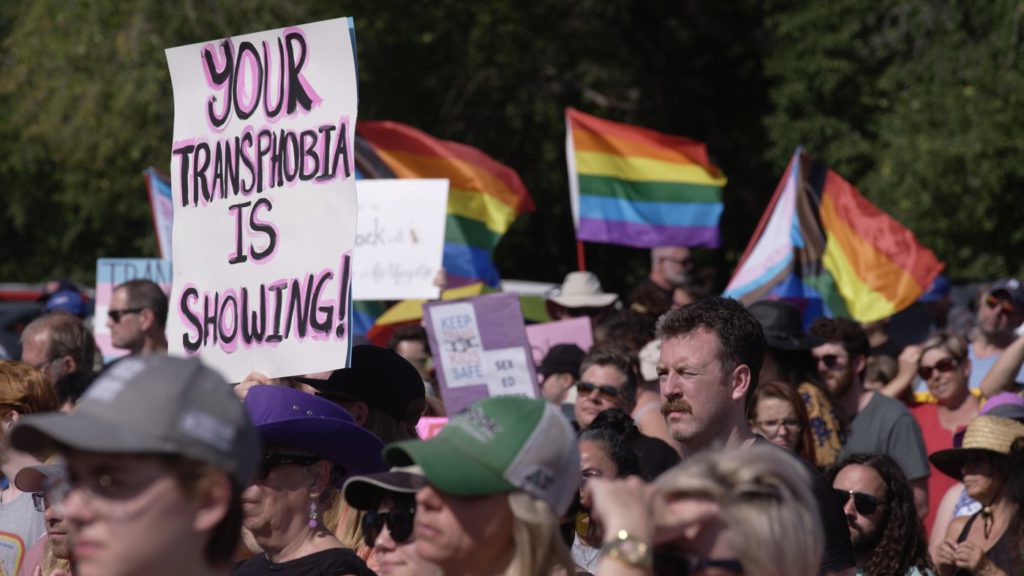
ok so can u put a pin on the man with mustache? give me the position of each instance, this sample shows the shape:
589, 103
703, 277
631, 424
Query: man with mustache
711, 355
877, 424
54, 550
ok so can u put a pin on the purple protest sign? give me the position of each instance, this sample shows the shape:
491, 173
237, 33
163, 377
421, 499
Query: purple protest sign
480, 349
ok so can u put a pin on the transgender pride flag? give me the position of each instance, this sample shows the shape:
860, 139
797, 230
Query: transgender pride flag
637, 187
159, 189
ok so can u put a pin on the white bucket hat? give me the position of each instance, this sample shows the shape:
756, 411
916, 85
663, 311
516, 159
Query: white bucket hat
582, 290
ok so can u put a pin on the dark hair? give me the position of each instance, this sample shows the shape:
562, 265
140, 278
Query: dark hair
844, 331
616, 448
616, 358
414, 333
901, 544
224, 537
70, 387
626, 330
783, 391
741, 340
618, 421
141, 293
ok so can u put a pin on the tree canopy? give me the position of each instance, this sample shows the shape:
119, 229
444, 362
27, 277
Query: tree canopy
916, 102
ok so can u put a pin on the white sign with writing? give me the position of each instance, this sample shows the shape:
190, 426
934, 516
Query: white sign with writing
399, 238
263, 187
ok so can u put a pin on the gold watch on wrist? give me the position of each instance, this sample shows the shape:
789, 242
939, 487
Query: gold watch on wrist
629, 550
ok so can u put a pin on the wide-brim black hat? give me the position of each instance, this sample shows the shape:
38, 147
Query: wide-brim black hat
783, 325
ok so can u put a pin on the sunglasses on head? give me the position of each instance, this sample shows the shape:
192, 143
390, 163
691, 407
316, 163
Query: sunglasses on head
944, 365
865, 504
603, 390
399, 521
116, 315
273, 460
993, 301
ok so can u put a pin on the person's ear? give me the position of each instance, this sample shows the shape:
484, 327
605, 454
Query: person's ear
213, 500
741, 378
67, 365
860, 364
319, 478
360, 411
10, 419
147, 318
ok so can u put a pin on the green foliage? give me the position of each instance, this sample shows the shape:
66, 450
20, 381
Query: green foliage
917, 102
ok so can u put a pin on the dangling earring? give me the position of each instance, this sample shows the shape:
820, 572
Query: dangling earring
312, 514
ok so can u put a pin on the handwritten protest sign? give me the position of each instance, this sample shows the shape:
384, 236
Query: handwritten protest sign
263, 184
113, 271
547, 334
480, 349
400, 238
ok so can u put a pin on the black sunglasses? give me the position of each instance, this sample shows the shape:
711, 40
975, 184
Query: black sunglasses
831, 361
604, 390
399, 522
865, 504
672, 562
944, 365
273, 460
116, 315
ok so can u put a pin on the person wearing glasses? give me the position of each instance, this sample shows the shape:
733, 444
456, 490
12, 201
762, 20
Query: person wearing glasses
878, 424
389, 502
671, 266
58, 344
879, 506
608, 380
23, 391
50, 555
777, 413
945, 368
156, 455
310, 445
1000, 313
137, 316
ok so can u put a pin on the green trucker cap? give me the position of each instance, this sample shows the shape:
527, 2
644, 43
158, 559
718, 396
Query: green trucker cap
498, 445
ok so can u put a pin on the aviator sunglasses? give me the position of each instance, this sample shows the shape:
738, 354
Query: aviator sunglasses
604, 390
944, 365
865, 504
399, 522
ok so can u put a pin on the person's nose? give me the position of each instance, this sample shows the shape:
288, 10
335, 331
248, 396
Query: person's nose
384, 541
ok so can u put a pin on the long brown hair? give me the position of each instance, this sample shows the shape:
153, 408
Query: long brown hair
783, 391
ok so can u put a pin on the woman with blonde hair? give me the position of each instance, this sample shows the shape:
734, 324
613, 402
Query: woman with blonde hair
945, 368
744, 511
498, 478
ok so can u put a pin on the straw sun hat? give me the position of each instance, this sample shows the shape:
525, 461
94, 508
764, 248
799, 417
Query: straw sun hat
985, 435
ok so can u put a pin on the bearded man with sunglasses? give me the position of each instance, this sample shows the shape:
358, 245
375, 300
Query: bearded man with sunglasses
877, 424
884, 530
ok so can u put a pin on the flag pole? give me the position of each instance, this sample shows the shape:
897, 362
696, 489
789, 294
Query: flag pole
580, 260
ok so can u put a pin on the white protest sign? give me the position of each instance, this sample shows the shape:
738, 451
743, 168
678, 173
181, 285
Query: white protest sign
263, 186
399, 239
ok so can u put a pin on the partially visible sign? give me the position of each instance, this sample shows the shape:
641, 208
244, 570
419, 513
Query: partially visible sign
572, 331
480, 349
399, 239
429, 426
113, 271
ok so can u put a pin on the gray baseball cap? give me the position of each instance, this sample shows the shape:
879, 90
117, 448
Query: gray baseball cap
153, 405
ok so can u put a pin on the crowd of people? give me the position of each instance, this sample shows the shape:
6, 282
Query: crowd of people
697, 436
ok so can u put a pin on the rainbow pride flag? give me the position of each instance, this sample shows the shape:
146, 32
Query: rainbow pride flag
826, 248
637, 187
484, 197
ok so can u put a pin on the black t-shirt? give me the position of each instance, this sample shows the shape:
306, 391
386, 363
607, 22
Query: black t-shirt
838, 549
654, 455
333, 562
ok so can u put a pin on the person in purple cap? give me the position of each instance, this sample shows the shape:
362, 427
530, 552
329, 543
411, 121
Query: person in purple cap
310, 446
